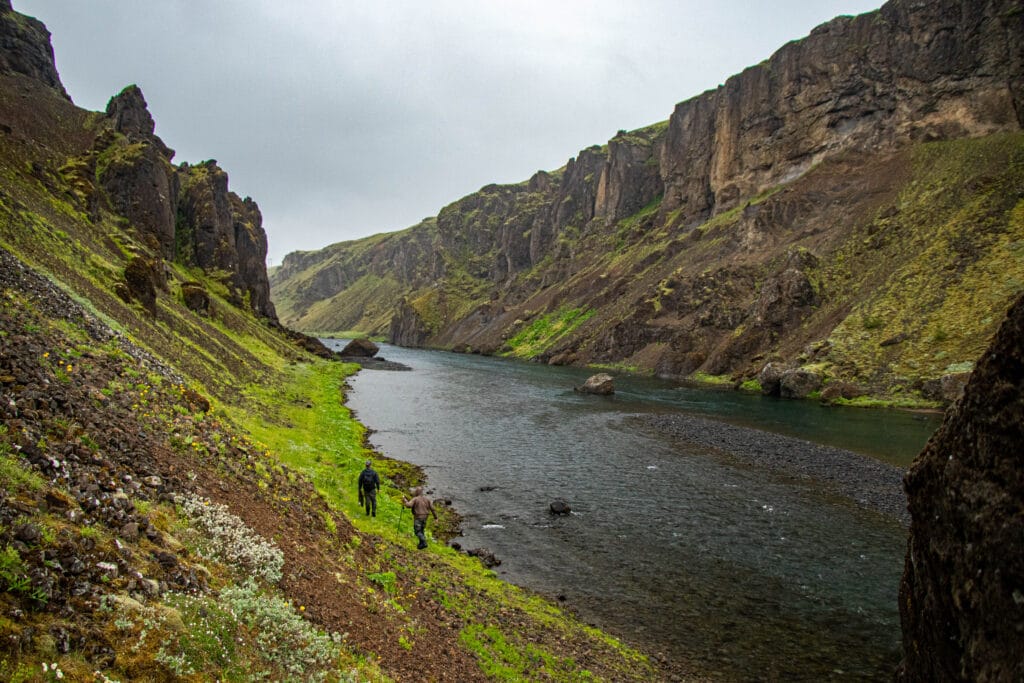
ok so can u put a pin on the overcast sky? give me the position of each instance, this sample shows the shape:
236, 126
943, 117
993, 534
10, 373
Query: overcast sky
343, 119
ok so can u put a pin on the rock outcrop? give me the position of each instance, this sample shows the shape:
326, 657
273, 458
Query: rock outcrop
182, 213
962, 594
134, 169
187, 212
910, 71
837, 197
25, 48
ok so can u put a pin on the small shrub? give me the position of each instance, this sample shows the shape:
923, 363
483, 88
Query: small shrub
228, 539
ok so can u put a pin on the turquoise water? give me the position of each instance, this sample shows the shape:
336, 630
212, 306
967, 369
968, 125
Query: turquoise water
731, 568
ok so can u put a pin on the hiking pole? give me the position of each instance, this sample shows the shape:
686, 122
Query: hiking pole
398, 522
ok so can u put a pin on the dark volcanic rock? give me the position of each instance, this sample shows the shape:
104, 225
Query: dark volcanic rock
25, 48
129, 113
196, 297
407, 327
221, 231
962, 594
360, 347
141, 278
559, 507
799, 383
136, 171
770, 378
488, 558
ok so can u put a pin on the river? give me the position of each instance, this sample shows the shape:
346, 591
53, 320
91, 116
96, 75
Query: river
730, 568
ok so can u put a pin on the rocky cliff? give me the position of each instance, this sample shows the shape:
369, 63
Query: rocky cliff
114, 162
962, 594
25, 48
848, 208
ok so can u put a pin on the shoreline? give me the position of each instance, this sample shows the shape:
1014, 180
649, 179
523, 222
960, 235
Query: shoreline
869, 483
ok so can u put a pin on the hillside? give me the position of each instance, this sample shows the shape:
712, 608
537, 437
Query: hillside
176, 468
846, 214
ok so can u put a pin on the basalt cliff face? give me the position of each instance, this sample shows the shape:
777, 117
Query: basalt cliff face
962, 594
849, 208
113, 163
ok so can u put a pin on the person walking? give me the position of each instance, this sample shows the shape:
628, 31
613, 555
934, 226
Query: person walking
421, 507
369, 484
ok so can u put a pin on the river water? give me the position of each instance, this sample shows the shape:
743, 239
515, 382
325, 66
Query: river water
740, 572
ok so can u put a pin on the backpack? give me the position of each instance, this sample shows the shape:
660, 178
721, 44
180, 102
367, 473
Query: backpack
368, 480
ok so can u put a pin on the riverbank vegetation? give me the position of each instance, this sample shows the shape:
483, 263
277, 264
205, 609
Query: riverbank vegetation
177, 482
155, 529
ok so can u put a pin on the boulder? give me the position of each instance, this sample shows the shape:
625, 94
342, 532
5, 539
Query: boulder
962, 594
559, 507
601, 384
196, 298
837, 390
140, 276
770, 377
947, 388
362, 348
488, 558
799, 383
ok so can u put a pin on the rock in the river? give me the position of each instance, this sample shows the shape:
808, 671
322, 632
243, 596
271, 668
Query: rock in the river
361, 347
601, 384
560, 507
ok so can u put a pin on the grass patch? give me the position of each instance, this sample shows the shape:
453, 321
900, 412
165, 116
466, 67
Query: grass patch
545, 331
712, 380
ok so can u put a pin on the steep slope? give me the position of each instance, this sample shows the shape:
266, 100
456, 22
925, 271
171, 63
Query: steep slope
176, 472
849, 209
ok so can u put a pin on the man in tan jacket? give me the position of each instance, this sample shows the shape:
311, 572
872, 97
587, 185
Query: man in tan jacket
421, 507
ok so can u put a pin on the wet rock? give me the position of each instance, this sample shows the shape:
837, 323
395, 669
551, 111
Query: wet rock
559, 507
486, 557
601, 384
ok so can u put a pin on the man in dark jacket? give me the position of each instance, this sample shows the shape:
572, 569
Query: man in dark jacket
369, 484
421, 507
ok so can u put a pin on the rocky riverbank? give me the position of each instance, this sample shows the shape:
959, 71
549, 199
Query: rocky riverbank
869, 483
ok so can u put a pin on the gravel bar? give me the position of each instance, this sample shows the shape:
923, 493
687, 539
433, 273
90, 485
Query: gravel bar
869, 483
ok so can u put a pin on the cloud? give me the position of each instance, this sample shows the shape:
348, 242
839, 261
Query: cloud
343, 119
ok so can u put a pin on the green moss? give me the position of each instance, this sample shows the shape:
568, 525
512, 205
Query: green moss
713, 380
751, 386
546, 331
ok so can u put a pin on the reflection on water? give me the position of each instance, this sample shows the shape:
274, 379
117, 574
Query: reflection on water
750, 575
